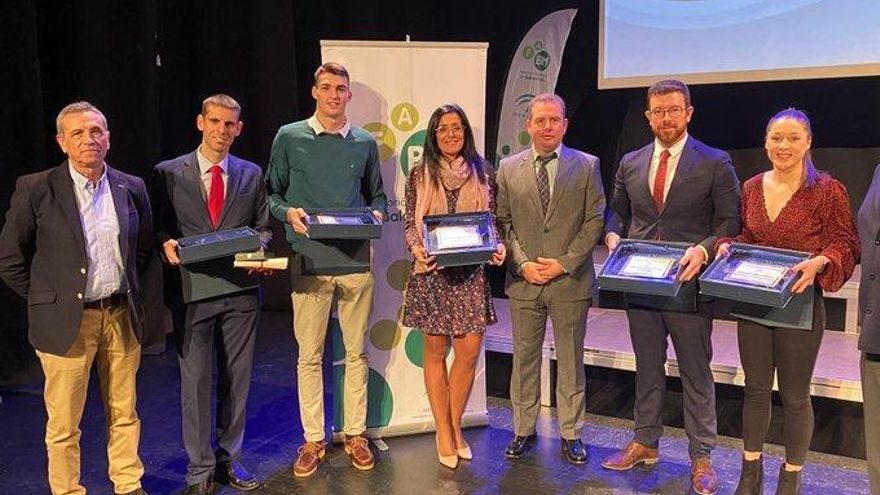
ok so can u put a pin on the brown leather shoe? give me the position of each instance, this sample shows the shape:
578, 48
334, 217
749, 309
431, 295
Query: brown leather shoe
634, 453
358, 449
703, 477
310, 455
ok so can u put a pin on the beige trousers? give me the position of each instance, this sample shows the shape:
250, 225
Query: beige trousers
106, 337
312, 298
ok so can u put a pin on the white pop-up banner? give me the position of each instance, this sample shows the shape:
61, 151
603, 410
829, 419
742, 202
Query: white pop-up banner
534, 69
396, 86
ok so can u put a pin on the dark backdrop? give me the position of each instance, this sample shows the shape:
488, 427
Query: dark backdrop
148, 64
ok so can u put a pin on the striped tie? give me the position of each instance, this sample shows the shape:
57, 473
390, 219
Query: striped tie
544, 179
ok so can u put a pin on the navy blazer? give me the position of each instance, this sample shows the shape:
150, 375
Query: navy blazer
703, 202
43, 255
181, 209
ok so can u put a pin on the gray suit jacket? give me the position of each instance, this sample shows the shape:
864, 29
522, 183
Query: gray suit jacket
43, 255
869, 287
181, 210
568, 232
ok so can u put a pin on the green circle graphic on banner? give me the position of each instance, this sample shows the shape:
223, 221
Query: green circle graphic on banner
385, 139
524, 138
397, 274
415, 347
405, 117
505, 150
411, 152
385, 335
528, 52
337, 345
380, 400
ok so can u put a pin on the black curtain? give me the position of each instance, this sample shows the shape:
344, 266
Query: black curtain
147, 65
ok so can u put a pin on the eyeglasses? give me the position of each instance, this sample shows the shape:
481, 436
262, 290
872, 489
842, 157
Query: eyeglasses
659, 113
454, 129
541, 122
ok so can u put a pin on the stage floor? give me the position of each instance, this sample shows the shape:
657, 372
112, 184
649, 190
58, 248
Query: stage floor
408, 466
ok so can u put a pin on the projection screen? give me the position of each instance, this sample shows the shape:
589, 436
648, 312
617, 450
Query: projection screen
714, 41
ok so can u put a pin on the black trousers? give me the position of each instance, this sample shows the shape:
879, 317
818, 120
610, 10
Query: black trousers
226, 327
791, 354
691, 335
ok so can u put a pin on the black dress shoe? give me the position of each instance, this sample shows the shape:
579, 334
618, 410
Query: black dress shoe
206, 487
574, 451
518, 446
236, 476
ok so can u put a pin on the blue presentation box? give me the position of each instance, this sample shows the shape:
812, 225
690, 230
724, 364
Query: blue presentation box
342, 223
194, 249
644, 267
460, 238
753, 274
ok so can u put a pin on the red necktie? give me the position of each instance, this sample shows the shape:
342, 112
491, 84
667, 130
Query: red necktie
660, 180
215, 195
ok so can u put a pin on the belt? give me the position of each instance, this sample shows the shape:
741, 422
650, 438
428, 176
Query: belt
111, 301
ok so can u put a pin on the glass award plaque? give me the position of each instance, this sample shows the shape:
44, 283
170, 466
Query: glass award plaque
194, 249
644, 267
460, 238
342, 223
753, 274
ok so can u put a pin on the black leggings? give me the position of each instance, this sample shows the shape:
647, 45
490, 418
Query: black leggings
792, 354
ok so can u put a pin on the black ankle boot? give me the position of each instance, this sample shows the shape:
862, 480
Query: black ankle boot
789, 482
751, 477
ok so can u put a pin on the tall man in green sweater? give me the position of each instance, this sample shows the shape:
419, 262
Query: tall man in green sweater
325, 162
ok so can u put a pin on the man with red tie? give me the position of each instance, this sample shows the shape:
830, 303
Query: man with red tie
198, 193
674, 189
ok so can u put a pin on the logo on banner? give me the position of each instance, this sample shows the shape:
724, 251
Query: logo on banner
538, 55
404, 117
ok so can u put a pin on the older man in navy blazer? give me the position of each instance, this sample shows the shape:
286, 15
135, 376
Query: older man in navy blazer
198, 193
75, 240
674, 189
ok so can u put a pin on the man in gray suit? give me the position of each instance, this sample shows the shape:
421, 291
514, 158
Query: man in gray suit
550, 204
674, 189
198, 193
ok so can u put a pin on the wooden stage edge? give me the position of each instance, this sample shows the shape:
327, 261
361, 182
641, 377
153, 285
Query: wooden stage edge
607, 344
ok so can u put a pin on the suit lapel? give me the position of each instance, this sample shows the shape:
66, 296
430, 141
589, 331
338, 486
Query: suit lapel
193, 180
563, 171
528, 179
62, 185
643, 162
233, 181
682, 170
120, 193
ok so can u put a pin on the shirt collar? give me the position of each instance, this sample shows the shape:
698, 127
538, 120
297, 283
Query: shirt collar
81, 182
674, 150
319, 129
558, 152
205, 164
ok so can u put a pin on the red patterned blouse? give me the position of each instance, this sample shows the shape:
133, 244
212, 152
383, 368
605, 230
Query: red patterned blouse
816, 219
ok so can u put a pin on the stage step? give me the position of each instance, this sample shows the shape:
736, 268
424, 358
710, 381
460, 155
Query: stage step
607, 344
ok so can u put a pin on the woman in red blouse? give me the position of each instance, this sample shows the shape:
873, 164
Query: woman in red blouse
792, 206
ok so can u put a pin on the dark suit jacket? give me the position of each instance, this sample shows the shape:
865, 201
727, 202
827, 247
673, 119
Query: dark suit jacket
182, 210
703, 202
43, 255
869, 286
568, 232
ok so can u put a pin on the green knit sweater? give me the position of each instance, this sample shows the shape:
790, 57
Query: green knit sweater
324, 171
